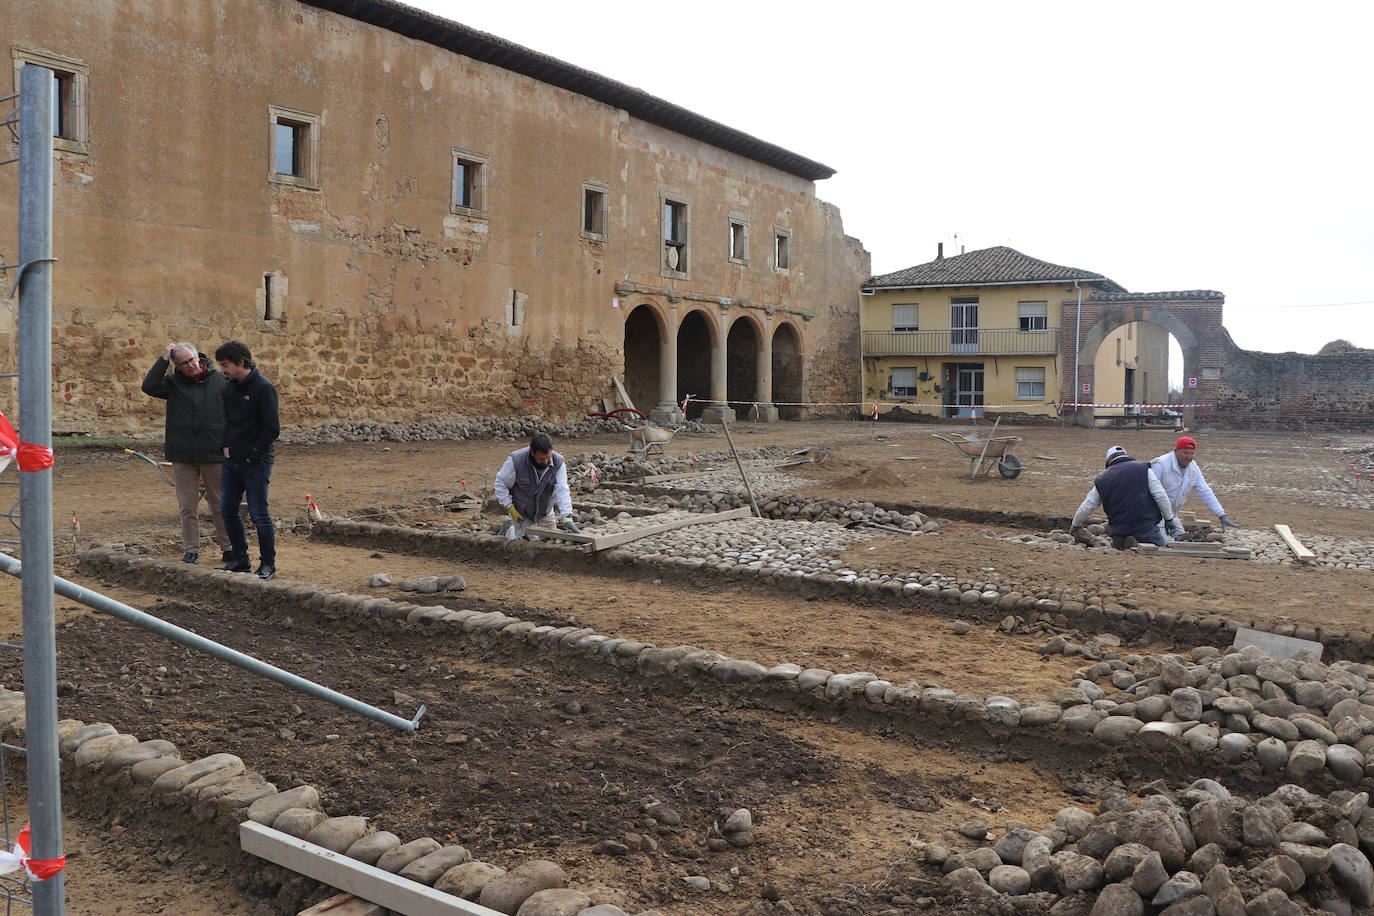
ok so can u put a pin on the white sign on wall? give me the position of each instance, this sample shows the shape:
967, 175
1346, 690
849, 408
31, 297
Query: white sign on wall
1192, 382
1087, 388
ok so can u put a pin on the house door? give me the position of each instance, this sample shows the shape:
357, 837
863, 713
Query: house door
963, 324
967, 390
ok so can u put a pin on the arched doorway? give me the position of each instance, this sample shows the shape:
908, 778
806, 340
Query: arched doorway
787, 371
643, 351
694, 344
1137, 364
742, 365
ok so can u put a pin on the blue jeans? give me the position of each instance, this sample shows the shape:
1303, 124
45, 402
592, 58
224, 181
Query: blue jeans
236, 479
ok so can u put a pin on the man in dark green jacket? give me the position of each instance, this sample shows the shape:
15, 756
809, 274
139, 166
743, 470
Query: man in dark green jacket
194, 391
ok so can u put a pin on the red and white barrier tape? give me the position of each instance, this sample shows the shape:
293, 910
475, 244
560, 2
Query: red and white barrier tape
36, 869
1021, 405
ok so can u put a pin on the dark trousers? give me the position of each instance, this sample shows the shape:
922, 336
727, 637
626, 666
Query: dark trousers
235, 480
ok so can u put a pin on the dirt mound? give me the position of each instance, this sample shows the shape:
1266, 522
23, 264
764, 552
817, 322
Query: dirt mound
869, 476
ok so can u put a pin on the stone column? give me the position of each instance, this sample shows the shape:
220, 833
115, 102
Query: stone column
765, 412
720, 411
668, 410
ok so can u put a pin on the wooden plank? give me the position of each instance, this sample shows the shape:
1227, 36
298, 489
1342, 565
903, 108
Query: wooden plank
1230, 553
401, 895
344, 905
656, 478
1299, 551
560, 534
620, 390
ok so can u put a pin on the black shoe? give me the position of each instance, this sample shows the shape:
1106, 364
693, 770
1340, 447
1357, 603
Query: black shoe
227, 557
1131, 543
266, 571
190, 556
237, 567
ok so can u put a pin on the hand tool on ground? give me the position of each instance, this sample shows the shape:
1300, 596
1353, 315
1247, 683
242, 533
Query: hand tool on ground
157, 464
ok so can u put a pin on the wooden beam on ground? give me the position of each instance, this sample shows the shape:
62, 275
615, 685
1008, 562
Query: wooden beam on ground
400, 895
1299, 551
550, 533
1204, 552
657, 478
344, 905
607, 541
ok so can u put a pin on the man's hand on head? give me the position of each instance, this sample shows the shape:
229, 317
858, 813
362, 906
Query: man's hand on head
167, 353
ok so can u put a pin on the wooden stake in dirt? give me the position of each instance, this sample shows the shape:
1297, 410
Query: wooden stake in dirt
740, 464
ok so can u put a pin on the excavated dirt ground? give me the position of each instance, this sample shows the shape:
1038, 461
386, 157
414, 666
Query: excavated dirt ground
838, 807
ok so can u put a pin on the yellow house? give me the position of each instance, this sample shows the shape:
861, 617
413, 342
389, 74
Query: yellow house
981, 330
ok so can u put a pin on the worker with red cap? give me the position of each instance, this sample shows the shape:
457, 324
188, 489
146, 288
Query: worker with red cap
1181, 476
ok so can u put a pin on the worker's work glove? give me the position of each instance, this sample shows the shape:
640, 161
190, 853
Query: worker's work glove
1226, 522
1174, 527
514, 514
570, 526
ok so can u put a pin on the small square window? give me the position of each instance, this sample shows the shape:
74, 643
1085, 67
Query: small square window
69, 116
904, 318
595, 197
903, 383
739, 240
469, 183
675, 232
1030, 383
782, 249
295, 147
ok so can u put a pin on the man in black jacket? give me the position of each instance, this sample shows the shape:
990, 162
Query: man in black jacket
194, 392
251, 426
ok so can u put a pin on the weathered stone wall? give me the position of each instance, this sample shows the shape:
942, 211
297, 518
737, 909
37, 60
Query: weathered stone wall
393, 305
1294, 389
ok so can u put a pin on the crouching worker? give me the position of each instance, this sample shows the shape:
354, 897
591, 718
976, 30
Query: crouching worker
1133, 499
532, 485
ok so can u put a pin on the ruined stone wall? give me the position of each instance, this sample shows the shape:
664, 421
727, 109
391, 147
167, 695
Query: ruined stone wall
393, 304
1294, 389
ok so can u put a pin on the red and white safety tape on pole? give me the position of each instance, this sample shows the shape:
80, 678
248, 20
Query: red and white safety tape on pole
36, 869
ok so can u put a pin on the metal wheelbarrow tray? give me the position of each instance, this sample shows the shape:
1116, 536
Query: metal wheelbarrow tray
986, 454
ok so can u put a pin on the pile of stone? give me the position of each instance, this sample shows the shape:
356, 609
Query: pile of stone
217, 788
762, 478
756, 543
1342, 553
1301, 718
844, 510
1197, 852
425, 585
458, 428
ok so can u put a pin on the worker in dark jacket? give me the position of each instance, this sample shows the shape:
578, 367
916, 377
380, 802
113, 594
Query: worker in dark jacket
194, 391
1134, 500
251, 426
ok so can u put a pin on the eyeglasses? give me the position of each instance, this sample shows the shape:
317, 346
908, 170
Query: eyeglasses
186, 362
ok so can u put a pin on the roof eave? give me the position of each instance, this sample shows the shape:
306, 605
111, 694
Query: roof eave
1101, 280
460, 39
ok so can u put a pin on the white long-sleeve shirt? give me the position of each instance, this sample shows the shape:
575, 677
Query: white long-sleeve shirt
1094, 499
505, 479
1179, 482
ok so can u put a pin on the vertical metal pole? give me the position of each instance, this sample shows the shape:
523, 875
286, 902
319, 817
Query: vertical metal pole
35, 487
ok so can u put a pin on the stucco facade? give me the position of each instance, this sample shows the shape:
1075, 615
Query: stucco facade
427, 250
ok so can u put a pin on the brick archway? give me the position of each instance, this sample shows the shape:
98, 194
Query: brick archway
1193, 317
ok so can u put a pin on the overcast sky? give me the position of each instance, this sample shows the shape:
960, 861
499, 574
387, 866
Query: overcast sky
1170, 145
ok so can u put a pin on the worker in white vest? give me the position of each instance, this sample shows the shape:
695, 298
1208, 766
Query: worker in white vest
1181, 476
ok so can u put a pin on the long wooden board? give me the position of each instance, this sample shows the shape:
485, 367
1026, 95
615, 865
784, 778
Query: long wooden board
400, 895
601, 542
658, 478
1208, 553
620, 390
1299, 551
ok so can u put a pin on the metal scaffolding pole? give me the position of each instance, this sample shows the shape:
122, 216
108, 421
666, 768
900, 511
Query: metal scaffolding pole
35, 487
107, 605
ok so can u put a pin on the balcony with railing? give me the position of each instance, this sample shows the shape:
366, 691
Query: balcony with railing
961, 341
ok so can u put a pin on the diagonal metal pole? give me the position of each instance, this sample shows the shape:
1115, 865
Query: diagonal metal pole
35, 487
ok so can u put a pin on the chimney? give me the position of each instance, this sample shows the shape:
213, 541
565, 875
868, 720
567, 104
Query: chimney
940, 251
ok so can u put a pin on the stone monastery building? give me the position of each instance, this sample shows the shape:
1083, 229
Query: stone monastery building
404, 217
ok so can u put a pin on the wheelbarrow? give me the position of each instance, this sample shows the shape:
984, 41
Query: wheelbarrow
985, 454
